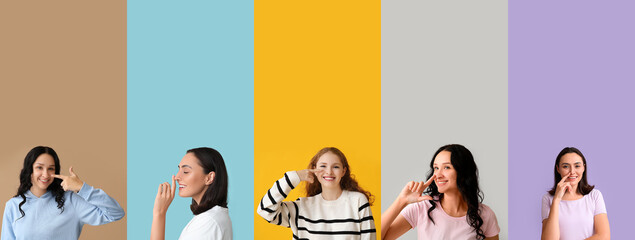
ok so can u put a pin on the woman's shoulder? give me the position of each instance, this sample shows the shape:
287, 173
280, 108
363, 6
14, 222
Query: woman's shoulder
214, 216
14, 201
485, 210
595, 194
356, 197
547, 196
355, 194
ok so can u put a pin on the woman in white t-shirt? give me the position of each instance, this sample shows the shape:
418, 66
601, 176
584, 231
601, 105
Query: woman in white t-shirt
573, 209
203, 177
451, 208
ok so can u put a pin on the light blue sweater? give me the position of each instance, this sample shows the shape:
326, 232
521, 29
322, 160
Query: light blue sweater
43, 220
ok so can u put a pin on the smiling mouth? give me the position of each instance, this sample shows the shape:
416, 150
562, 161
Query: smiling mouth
328, 178
442, 182
45, 181
181, 187
572, 178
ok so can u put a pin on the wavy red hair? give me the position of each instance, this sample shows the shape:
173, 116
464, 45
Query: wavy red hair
348, 181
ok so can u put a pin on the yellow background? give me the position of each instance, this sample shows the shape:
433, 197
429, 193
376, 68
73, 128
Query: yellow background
317, 84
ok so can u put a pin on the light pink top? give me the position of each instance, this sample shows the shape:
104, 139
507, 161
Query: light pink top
446, 226
576, 216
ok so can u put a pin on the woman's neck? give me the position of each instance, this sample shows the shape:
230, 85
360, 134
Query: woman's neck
572, 194
453, 204
38, 192
331, 194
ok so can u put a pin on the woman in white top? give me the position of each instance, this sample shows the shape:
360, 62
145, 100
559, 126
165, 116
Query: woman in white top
336, 207
203, 177
573, 209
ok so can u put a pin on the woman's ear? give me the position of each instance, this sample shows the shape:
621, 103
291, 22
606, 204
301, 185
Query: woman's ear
209, 179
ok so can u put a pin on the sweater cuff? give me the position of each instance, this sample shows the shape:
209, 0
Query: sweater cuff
85, 191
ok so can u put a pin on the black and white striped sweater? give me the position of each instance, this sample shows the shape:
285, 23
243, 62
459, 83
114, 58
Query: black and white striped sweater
348, 217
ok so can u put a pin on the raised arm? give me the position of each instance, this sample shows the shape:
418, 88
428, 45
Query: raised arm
271, 207
92, 205
393, 225
550, 225
164, 198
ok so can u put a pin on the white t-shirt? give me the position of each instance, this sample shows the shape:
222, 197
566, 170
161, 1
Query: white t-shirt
577, 217
213, 224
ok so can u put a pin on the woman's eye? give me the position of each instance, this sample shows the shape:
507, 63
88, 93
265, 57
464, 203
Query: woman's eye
40, 168
447, 167
336, 167
436, 168
565, 166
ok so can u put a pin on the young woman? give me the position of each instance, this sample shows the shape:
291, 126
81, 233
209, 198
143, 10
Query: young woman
53, 206
336, 207
573, 209
451, 208
203, 177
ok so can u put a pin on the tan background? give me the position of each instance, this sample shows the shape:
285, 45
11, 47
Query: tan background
63, 85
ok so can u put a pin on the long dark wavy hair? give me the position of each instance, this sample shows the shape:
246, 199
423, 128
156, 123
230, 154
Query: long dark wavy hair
348, 181
216, 193
583, 186
467, 182
27, 170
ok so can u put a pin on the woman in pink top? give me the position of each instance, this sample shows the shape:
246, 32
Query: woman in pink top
572, 209
453, 209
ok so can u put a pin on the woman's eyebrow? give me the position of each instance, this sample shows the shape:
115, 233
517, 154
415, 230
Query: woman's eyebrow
52, 165
187, 166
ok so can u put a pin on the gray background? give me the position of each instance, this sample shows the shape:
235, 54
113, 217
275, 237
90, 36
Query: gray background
444, 80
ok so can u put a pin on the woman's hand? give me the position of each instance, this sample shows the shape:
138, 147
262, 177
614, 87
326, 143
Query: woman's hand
411, 193
562, 188
164, 198
72, 182
308, 174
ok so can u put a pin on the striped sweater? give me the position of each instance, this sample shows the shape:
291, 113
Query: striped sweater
348, 217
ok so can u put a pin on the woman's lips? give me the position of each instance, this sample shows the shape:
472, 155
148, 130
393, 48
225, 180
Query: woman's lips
328, 178
441, 183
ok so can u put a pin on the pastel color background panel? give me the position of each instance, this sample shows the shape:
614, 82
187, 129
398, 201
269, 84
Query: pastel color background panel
444, 80
63, 85
317, 84
190, 84
571, 84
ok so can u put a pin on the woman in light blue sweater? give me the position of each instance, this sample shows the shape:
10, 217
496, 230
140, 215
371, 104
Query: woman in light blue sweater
53, 206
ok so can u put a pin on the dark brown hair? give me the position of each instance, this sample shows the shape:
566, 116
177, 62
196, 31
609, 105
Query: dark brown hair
583, 186
27, 170
216, 193
348, 181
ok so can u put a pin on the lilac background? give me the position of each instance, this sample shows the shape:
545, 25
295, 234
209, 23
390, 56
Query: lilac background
571, 83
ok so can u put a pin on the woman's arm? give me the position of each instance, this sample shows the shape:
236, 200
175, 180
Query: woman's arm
164, 198
393, 224
368, 222
7, 219
551, 225
271, 207
601, 227
92, 205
